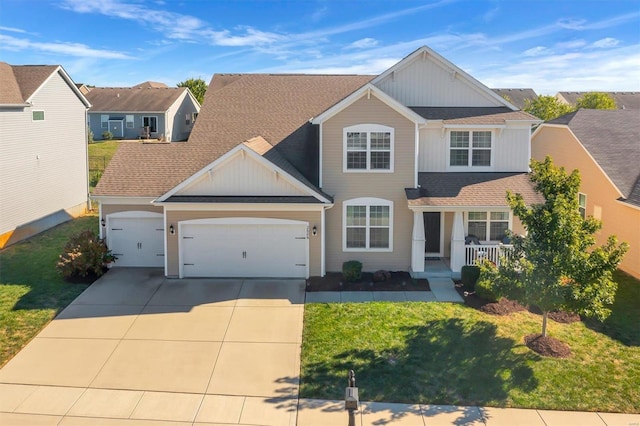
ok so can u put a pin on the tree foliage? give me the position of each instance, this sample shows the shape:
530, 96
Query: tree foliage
197, 86
547, 107
556, 266
596, 100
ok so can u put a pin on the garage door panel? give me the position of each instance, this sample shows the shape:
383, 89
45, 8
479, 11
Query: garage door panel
137, 241
244, 250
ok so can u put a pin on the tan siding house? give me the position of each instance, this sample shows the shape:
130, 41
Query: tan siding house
43, 154
605, 147
292, 175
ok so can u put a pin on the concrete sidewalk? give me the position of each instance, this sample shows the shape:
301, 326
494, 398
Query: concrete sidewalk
313, 412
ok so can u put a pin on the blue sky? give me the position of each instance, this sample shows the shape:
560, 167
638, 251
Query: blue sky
546, 45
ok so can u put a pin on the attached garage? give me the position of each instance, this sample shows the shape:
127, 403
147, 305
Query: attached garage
136, 238
244, 247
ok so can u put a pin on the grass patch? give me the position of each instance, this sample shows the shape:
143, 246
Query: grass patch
439, 353
100, 154
31, 291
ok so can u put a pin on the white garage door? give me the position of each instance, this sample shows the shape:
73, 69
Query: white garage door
244, 247
136, 238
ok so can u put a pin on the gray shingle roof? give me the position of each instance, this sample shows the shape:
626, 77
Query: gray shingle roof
472, 115
470, 189
612, 137
129, 99
624, 100
236, 108
26, 78
517, 97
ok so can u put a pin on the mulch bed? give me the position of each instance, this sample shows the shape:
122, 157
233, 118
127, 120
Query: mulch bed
397, 281
547, 346
88, 279
502, 307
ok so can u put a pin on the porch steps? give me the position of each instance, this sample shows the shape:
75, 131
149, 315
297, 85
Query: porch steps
444, 289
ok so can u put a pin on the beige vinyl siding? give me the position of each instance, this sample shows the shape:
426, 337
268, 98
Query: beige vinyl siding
389, 186
43, 163
510, 150
312, 217
426, 82
617, 218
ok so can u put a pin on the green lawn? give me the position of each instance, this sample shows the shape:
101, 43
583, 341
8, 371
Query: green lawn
31, 292
103, 149
100, 154
441, 353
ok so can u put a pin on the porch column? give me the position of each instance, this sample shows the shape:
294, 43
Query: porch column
457, 243
417, 246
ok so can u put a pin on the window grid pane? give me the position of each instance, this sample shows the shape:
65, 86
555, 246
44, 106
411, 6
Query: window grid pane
498, 230
381, 160
356, 141
500, 216
477, 215
481, 157
356, 160
381, 141
379, 238
356, 237
459, 139
459, 157
356, 215
482, 139
479, 229
379, 215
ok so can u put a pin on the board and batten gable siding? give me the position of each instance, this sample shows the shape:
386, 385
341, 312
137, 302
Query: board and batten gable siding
510, 150
173, 217
177, 113
95, 123
43, 163
618, 218
424, 82
241, 175
389, 186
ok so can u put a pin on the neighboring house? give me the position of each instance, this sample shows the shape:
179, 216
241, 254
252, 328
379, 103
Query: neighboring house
292, 175
604, 145
624, 100
517, 97
145, 111
43, 153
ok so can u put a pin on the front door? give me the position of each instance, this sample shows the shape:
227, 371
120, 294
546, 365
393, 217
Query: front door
116, 128
432, 233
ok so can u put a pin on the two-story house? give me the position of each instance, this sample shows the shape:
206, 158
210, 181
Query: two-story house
292, 175
43, 150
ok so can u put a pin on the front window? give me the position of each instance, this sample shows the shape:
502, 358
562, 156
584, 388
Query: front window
488, 226
38, 116
582, 205
368, 147
129, 121
470, 148
368, 225
104, 121
151, 122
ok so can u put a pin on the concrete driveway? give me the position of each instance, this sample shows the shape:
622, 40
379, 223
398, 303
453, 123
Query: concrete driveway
136, 348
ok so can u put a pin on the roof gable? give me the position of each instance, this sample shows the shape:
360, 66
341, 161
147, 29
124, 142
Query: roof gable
9, 90
426, 79
129, 99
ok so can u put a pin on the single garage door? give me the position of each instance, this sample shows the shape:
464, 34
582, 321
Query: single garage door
136, 238
244, 247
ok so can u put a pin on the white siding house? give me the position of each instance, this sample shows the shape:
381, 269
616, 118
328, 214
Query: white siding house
43, 154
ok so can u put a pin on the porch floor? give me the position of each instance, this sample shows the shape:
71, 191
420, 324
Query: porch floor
438, 273
438, 268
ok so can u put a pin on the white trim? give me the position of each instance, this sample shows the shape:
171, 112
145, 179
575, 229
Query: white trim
585, 204
440, 252
241, 206
368, 202
320, 158
368, 129
134, 214
487, 221
444, 63
322, 242
109, 199
367, 90
166, 242
627, 204
416, 164
469, 166
244, 150
100, 217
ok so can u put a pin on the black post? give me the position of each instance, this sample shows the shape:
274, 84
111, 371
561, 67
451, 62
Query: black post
352, 384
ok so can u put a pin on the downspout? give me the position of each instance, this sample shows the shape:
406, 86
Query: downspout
86, 147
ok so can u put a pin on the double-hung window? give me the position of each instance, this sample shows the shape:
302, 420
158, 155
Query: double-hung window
368, 147
368, 225
151, 122
104, 121
470, 148
582, 205
488, 226
129, 121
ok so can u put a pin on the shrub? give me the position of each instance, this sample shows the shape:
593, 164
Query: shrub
107, 135
469, 276
84, 254
89, 135
94, 178
352, 270
484, 289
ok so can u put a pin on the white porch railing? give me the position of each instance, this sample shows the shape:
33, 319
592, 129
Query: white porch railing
475, 254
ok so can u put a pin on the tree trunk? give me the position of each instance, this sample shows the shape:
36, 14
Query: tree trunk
544, 323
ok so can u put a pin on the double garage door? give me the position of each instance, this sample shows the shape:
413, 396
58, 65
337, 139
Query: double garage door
136, 238
243, 247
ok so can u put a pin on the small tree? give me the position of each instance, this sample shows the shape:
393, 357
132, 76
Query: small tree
547, 107
555, 266
596, 100
197, 86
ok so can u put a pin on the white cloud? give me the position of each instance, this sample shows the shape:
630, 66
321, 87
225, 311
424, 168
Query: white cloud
606, 43
60, 48
573, 44
363, 43
536, 51
12, 30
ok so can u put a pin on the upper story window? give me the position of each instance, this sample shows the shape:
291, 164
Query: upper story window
488, 226
582, 204
368, 148
104, 121
37, 115
129, 121
470, 148
368, 225
151, 122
